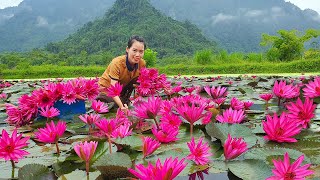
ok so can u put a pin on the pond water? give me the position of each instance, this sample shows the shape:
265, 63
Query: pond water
256, 163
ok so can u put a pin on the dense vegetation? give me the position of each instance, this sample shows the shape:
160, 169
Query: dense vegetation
235, 25
111, 33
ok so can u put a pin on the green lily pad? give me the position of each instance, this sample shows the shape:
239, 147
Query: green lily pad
80, 175
35, 172
250, 169
221, 131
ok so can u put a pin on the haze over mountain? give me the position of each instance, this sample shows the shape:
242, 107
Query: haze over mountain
34, 23
236, 25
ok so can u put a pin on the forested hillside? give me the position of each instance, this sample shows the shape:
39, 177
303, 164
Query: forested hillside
111, 33
237, 25
34, 23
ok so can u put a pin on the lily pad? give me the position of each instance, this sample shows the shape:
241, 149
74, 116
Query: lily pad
221, 131
250, 169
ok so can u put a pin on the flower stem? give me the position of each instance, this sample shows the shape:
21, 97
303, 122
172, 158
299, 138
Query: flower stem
155, 121
58, 150
12, 172
279, 101
109, 141
87, 168
191, 129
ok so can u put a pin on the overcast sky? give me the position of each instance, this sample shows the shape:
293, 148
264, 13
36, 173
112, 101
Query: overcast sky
303, 4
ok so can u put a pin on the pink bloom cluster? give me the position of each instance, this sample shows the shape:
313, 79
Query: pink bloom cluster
231, 116
69, 92
284, 91
287, 171
114, 128
280, 129
150, 82
149, 146
234, 147
5, 84
312, 89
51, 133
300, 112
170, 169
200, 152
11, 147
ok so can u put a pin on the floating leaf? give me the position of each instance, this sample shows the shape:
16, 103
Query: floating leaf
34, 172
80, 175
266, 154
114, 165
221, 131
250, 169
134, 141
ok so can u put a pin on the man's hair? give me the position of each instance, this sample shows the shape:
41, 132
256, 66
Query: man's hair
134, 38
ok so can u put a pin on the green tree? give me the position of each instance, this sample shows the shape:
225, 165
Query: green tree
204, 56
150, 57
289, 44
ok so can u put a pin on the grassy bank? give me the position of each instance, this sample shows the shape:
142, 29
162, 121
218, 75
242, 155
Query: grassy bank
240, 67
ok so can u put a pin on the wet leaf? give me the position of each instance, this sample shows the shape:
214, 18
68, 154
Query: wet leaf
114, 165
80, 175
221, 131
267, 154
250, 169
34, 172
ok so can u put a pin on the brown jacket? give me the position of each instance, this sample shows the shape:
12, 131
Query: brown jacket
118, 70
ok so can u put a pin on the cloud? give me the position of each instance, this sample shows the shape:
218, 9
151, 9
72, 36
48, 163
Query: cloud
254, 13
222, 18
277, 12
42, 22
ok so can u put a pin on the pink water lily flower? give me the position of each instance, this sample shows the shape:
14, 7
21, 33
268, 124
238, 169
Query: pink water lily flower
234, 147
312, 89
90, 119
169, 170
216, 92
280, 129
302, 112
15, 115
266, 97
114, 90
99, 107
165, 134
11, 147
200, 152
171, 119
68, 94
284, 91
149, 109
86, 151
3, 96
236, 104
49, 112
149, 146
107, 127
122, 131
247, 104
231, 116
192, 112
286, 171
51, 133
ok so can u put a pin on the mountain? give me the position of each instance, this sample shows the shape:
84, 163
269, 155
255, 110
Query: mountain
34, 23
237, 25
127, 17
